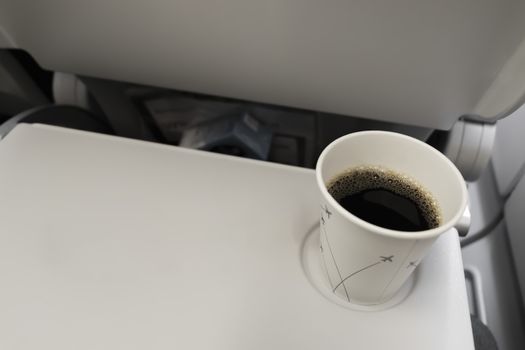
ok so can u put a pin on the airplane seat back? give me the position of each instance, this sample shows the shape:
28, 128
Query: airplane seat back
420, 63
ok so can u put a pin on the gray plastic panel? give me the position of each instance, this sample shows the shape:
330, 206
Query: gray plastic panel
508, 157
423, 63
515, 219
489, 257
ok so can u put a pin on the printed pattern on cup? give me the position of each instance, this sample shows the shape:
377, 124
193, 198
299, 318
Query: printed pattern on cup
381, 269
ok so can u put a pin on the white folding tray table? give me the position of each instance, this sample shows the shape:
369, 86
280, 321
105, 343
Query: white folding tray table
110, 243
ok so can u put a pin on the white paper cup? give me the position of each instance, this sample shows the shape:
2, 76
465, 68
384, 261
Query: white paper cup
367, 264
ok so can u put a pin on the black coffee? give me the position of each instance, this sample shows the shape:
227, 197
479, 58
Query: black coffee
385, 198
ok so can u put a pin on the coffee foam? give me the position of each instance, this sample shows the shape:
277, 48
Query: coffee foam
368, 177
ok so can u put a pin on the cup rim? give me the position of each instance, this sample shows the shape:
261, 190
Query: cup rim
409, 235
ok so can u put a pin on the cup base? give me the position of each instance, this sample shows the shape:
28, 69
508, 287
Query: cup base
312, 267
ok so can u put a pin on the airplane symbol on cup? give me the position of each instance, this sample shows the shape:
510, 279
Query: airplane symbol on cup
387, 258
328, 212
